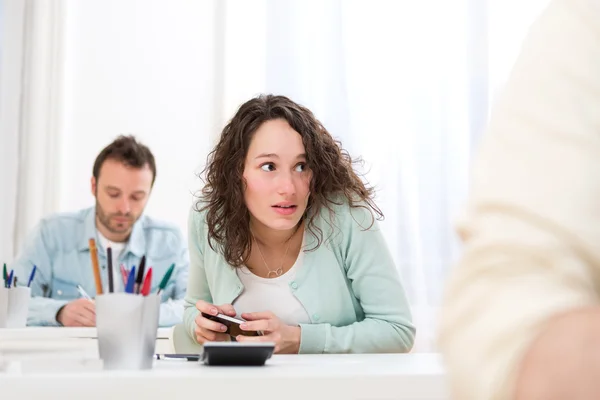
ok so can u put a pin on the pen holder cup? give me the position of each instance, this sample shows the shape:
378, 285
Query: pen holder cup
127, 325
14, 306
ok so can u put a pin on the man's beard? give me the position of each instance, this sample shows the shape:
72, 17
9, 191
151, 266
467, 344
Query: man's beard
118, 228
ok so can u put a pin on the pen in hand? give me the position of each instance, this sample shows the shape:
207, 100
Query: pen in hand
83, 293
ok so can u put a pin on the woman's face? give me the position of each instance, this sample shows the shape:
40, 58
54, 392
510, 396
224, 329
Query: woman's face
277, 178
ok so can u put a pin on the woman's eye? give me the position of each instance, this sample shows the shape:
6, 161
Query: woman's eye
300, 167
268, 167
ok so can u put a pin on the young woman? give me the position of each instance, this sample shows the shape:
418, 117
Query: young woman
285, 235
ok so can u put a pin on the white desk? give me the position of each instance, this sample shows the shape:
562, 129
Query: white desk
86, 337
62, 332
416, 376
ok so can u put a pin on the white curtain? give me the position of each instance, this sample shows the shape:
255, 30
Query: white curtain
404, 84
30, 45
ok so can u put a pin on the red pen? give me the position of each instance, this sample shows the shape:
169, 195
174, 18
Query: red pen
147, 282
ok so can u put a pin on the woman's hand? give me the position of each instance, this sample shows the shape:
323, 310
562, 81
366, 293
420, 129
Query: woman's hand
208, 330
285, 337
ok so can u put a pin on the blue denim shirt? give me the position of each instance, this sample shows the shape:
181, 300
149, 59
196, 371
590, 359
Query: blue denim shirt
59, 247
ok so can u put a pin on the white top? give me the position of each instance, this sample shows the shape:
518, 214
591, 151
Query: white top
116, 249
272, 294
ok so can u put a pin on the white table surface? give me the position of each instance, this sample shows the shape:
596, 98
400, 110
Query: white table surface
416, 376
86, 338
52, 332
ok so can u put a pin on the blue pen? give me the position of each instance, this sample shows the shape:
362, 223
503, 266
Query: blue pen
31, 276
130, 281
10, 277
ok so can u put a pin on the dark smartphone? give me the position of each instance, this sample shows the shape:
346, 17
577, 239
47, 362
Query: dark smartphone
232, 324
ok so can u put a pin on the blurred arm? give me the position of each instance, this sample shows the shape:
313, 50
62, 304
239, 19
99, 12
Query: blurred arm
532, 226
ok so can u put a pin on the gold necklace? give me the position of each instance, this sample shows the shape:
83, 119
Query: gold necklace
278, 271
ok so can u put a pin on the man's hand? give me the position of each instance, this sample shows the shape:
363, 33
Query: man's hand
81, 312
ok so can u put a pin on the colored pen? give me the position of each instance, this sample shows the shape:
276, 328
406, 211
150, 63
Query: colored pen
15, 282
140, 276
95, 266
31, 276
111, 286
83, 293
124, 274
165, 279
147, 283
45, 290
5, 274
130, 281
10, 278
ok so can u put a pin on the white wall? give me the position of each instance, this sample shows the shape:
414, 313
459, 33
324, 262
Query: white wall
141, 67
157, 69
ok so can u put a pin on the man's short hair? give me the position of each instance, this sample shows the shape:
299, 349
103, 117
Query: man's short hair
129, 151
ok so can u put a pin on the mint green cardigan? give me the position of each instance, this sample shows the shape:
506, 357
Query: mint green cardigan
349, 286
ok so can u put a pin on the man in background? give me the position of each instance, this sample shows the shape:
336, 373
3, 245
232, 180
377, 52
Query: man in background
123, 177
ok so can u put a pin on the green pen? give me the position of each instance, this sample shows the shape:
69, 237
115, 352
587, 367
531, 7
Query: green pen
4, 273
165, 279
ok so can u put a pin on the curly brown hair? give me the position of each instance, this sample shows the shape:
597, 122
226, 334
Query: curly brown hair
333, 176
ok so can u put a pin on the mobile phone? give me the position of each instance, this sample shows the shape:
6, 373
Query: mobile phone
232, 324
